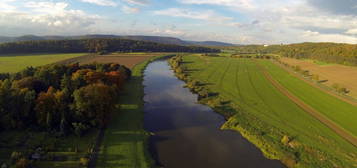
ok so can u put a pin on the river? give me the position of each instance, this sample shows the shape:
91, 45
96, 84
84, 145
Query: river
187, 134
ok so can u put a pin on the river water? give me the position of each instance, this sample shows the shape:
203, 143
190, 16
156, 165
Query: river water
187, 134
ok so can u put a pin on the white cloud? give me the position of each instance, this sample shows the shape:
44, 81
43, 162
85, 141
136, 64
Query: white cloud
138, 2
318, 37
351, 31
46, 7
207, 15
169, 32
46, 17
310, 33
6, 6
101, 2
130, 10
242, 4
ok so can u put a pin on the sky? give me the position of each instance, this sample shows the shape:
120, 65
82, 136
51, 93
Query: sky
234, 21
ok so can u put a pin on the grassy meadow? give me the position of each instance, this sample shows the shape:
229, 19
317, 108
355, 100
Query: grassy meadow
265, 116
15, 63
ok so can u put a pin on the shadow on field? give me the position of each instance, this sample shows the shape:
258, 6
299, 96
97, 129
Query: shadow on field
193, 70
187, 62
124, 137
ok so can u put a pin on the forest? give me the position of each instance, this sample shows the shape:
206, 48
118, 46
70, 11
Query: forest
61, 99
96, 46
327, 52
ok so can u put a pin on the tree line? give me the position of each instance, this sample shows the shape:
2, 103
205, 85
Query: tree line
62, 99
326, 52
96, 46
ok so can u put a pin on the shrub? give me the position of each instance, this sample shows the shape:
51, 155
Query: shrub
16, 156
285, 140
79, 128
315, 77
336, 86
84, 161
343, 90
23, 163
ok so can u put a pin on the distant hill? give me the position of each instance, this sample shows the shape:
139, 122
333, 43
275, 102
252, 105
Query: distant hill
210, 43
96, 45
157, 39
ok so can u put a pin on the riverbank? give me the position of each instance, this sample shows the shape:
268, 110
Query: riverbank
125, 140
237, 89
187, 134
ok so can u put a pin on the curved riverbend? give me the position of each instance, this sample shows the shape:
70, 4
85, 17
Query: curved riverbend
187, 134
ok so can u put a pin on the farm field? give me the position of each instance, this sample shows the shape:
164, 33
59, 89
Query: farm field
345, 76
127, 59
336, 110
242, 82
15, 63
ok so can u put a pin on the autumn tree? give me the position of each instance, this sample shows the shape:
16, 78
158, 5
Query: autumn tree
94, 103
46, 109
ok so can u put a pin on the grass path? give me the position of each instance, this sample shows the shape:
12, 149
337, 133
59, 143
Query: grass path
124, 143
336, 128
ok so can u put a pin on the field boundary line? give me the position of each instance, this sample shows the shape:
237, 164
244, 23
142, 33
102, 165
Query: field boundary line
323, 119
314, 85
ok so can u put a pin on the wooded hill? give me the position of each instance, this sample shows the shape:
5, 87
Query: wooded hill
327, 52
96, 46
156, 39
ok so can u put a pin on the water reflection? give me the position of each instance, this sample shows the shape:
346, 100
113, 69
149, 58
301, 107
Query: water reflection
187, 134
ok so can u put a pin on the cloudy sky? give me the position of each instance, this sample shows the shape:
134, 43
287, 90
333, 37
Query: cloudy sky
236, 21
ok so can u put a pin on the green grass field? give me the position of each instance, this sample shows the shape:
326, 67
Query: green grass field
273, 115
15, 63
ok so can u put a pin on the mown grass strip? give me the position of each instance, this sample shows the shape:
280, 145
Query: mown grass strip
125, 140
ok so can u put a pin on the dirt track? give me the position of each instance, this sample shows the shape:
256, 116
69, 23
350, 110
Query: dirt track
336, 128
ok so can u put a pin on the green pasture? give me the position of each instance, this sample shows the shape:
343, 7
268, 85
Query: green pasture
242, 83
15, 63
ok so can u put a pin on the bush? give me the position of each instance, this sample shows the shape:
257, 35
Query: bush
23, 163
315, 77
336, 86
84, 161
343, 90
16, 156
285, 140
79, 128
